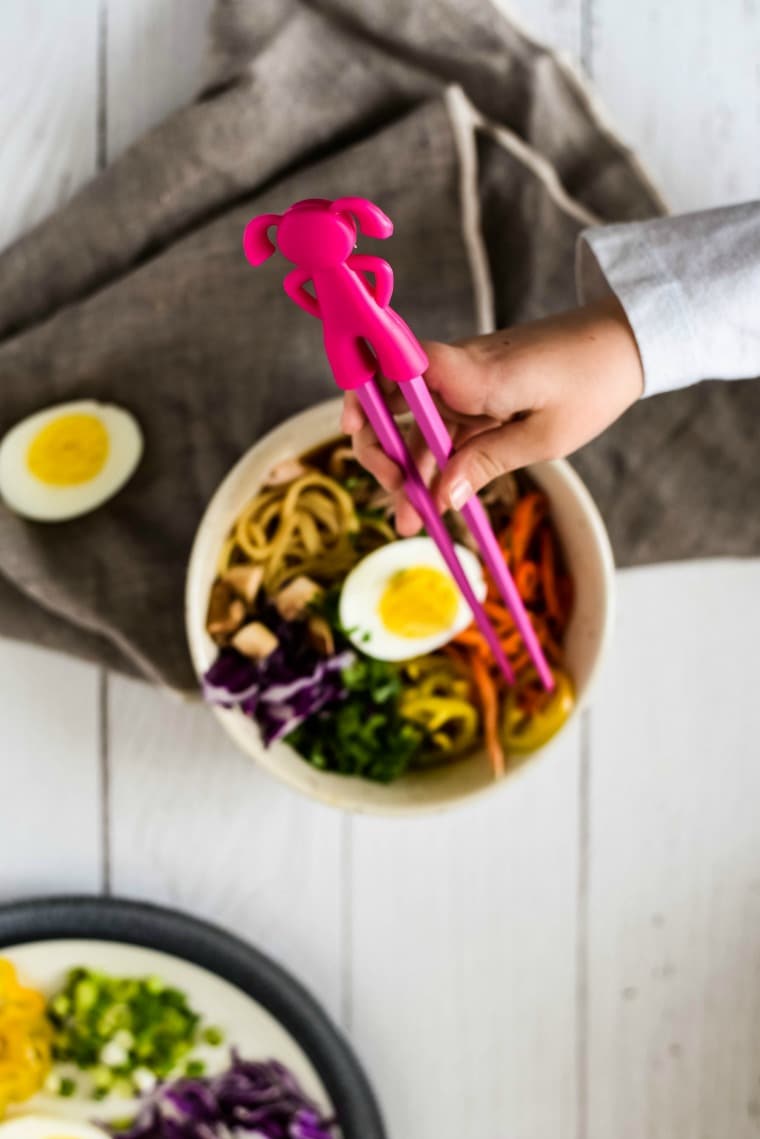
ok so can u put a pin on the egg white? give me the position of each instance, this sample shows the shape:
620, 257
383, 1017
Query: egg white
49, 1127
367, 581
32, 498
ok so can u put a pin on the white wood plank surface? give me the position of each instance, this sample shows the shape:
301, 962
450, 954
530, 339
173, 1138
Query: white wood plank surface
674, 891
576, 958
682, 81
193, 823
154, 63
48, 107
464, 959
50, 786
50, 802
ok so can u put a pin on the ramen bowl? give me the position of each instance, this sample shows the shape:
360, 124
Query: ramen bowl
589, 560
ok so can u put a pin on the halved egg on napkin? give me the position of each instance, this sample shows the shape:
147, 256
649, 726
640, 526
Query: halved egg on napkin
67, 460
401, 601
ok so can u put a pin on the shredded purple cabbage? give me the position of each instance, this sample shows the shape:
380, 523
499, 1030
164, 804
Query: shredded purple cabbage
283, 690
261, 1100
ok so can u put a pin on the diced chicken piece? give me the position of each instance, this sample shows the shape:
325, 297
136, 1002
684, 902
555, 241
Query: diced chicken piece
245, 581
294, 600
226, 612
255, 641
320, 635
285, 472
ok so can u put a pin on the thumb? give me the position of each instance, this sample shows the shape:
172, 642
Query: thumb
489, 454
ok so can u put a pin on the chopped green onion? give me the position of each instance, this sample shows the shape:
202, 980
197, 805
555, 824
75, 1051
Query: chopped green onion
126, 1032
60, 1005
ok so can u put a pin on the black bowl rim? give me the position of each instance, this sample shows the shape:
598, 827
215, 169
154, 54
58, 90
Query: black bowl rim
187, 937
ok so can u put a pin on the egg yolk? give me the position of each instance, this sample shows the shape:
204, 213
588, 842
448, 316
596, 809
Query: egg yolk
69, 450
418, 602
25, 1037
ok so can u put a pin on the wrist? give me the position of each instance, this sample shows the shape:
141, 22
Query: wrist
620, 342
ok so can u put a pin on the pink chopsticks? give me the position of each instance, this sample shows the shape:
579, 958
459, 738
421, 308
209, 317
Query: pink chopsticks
363, 337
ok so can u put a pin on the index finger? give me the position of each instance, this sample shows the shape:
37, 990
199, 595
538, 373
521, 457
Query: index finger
352, 418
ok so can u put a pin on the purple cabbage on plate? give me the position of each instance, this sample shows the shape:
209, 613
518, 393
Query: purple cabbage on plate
252, 1099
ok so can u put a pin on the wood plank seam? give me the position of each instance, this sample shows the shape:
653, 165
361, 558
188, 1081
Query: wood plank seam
587, 16
105, 782
347, 923
582, 929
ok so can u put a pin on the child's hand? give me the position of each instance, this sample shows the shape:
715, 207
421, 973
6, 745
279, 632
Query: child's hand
538, 391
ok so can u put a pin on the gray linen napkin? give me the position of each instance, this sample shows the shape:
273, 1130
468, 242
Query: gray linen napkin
137, 292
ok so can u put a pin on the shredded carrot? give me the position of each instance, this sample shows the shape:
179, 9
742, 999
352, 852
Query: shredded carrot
549, 575
527, 517
520, 661
549, 643
471, 638
531, 550
512, 643
527, 580
498, 612
489, 705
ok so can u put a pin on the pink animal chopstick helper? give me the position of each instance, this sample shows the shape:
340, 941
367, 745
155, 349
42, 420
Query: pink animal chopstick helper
319, 236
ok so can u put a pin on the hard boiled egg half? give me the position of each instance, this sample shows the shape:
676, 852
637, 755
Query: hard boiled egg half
401, 601
67, 460
49, 1127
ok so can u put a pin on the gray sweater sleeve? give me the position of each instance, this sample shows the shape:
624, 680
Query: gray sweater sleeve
690, 287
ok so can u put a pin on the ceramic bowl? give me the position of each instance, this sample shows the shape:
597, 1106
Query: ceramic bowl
589, 558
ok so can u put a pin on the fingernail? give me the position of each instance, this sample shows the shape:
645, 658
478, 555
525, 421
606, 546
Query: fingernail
460, 492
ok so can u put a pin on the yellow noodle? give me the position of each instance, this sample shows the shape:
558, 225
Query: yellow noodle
323, 511
310, 535
340, 457
226, 554
302, 527
279, 547
253, 549
257, 534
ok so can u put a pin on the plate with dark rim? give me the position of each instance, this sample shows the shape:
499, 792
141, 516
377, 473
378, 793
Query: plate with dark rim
260, 1007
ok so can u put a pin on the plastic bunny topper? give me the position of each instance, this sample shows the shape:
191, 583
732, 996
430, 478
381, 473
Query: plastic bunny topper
363, 335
